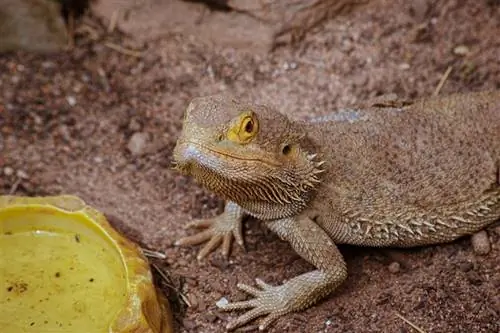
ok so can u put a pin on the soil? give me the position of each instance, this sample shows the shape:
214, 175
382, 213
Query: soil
100, 122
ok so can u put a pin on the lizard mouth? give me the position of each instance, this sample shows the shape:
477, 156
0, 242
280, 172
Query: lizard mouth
188, 153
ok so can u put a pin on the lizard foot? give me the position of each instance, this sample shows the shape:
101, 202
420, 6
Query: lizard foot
273, 301
220, 229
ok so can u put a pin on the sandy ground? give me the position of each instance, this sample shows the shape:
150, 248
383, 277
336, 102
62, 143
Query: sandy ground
102, 123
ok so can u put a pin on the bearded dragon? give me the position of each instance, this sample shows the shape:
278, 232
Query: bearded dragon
402, 174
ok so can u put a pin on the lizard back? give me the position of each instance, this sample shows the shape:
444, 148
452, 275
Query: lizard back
412, 171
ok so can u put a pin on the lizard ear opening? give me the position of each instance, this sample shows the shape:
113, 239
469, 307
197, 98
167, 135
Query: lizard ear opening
286, 150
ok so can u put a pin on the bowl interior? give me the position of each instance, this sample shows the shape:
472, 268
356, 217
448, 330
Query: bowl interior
59, 272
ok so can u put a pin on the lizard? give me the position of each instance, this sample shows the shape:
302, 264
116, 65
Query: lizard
398, 174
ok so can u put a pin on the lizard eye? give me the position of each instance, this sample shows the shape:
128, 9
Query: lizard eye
249, 125
245, 129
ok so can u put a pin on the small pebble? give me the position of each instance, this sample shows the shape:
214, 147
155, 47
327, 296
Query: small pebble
134, 125
8, 171
64, 132
21, 174
189, 324
461, 50
404, 66
221, 302
474, 278
466, 266
394, 267
210, 317
193, 301
137, 143
481, 243
48, 64
71, 100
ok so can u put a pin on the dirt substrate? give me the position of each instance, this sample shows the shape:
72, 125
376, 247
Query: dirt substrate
102, 123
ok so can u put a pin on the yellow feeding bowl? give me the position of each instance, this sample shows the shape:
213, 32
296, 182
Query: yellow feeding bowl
63, 268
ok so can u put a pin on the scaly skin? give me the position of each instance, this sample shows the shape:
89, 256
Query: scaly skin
397, 174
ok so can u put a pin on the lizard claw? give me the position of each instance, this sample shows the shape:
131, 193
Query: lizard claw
269, 300
218, 230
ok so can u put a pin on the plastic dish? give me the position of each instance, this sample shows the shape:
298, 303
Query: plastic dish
63, 268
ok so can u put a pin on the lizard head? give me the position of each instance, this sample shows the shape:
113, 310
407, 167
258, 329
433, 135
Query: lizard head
247, 153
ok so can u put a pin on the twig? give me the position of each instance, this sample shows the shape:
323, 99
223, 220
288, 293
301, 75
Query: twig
153, 254
415, 327
112, 21
123, 50
71, 29
94, 35
163, 275
442, 81
166, 279
15, 186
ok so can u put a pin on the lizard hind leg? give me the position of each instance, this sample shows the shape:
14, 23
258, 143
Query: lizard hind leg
220, 229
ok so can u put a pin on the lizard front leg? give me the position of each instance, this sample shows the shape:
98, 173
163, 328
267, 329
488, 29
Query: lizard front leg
313, 244
220, 229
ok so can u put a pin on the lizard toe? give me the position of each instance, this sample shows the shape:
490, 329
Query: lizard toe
242, 305
247, 317
270, 318
199, 223
218, 230
226, 245
196, 239
272, 301
262, 284
249, 289
212, 244
238, 236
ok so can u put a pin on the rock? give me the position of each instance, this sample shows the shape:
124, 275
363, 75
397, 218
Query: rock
461, 50
189, 324
481, 243
245, 25
466, 266
404, 66
8, 171
65, 133
419, 9
71, 100
193, 300
137, 143
35, 26
474, 278
394, 267
21, 174
134, 125
221, 302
